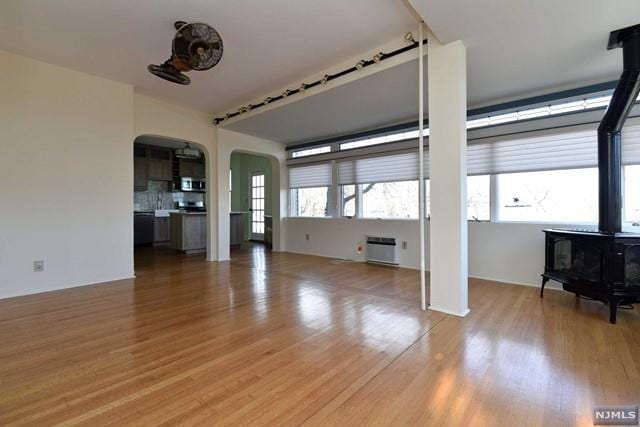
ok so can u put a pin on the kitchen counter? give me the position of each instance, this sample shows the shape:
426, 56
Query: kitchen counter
188, 213
236, 231
189, 231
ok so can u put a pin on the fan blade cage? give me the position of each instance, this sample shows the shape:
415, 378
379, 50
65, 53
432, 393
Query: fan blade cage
198, 45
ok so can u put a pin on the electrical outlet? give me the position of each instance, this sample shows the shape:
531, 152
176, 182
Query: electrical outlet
38, 266
307, 237
404, 244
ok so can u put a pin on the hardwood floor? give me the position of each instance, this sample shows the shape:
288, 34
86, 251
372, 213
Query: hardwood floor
272, 338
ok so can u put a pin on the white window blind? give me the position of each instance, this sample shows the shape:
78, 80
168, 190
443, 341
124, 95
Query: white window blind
316, 175
568, 150
388, 168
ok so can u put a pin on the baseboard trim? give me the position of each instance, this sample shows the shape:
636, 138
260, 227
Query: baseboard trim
453, 313
77, 285
550, 285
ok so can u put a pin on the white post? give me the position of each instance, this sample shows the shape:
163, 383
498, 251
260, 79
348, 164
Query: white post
448, 176
421, 208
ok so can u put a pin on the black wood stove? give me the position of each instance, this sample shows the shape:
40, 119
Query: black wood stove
604, 264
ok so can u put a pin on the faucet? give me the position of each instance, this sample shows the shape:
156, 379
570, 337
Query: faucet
159, 201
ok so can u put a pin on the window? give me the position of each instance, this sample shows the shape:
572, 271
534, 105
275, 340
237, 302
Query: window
311, 151
310, 202
478, 198
514, 116
348, 200
390, 200
309, 188
565, 196
392, 137
632, 193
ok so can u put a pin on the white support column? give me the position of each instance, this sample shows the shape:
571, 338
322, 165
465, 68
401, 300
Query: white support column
421, 194
447, 80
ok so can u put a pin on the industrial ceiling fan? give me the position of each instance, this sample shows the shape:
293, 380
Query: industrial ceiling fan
195, 46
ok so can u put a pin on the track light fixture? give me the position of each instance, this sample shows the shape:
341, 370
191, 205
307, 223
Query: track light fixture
378, 57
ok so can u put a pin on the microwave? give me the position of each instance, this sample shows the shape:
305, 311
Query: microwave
192, 184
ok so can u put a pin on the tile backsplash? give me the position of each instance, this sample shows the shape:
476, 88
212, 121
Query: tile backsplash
148, 200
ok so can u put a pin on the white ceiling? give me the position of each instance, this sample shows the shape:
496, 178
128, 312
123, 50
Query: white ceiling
514, 48
267, 44
383, 98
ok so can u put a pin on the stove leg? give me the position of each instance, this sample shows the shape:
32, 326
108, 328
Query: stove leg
544, 282
613, 307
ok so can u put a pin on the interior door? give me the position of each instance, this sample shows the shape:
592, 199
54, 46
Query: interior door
257, 206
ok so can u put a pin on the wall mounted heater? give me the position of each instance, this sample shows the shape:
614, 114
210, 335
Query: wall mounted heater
382, 250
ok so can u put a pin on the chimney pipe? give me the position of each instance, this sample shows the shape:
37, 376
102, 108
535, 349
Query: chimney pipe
609, 140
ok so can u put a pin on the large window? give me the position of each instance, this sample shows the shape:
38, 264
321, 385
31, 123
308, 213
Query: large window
311, 151
310, 201
544, 176
564, 196
390, 200
478, 198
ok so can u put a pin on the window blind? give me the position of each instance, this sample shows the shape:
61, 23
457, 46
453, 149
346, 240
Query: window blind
568, 150
388, 168
316, 175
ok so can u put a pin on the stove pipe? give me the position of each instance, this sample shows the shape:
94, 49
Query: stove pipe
609, 140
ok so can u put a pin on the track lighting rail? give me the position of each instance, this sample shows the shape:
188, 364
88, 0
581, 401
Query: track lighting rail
381, 56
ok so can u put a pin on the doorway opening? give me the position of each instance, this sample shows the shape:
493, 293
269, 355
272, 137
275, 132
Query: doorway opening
170, 216
251, 194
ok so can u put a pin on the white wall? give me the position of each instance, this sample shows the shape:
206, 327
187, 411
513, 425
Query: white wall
230, 141
66, 172
505, 252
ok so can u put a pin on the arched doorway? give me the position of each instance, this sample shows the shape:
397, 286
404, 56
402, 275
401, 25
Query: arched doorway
170, 200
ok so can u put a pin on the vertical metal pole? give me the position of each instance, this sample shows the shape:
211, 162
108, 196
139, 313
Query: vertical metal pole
421, 196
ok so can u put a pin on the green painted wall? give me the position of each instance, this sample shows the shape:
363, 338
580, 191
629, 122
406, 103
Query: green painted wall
242, 166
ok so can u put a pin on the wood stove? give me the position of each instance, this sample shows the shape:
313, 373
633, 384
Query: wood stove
604, 264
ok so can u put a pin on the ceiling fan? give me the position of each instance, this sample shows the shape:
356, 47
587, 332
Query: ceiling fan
195, 46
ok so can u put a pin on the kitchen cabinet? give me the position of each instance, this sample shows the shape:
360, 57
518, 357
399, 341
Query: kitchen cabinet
159, 164
193, 168
161, 230
189, 232
139, 169
142, 228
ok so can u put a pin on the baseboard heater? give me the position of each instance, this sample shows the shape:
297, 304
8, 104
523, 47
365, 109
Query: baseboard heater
382, 250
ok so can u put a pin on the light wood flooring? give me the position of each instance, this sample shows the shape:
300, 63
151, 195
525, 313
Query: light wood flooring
284, 339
